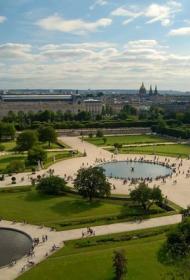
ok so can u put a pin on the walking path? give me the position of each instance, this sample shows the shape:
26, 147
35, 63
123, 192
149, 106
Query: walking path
178, 192
44, 249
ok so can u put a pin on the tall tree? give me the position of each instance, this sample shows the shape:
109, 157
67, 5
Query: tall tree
146, 196
36, 154
91, 182
120, 264
47, 134
26, 140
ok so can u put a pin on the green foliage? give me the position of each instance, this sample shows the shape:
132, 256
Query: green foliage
26, 140
7, 131
99, 133
15, 166
117, 145
47, 134
52, 185
36, 154
2, 147
146, 196
105, 140
177, 245
120, 264
91, 182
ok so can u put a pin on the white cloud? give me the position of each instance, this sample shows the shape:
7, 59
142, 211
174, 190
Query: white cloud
183, 31
164, 14
98, 64
98, 3
76, 26
2, 19
131, 15
15, 51
142, 44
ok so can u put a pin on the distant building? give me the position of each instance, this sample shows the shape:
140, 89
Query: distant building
142, 90
150, 91
93, 106
35, 102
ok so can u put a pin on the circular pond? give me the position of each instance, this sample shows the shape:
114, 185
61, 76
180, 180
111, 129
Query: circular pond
135, 170
14, 244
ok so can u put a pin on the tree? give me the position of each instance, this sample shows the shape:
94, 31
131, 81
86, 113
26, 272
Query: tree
117, 145
52, 185
91, 182
47, 134
120, 264
26, 140
7, 131
36, 154
99, 133
177, 245
146, 196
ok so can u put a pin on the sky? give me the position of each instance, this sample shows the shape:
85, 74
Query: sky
96, 44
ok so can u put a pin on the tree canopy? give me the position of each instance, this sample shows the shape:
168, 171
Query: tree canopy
26, 140
36, 154
7, 131
146, 196
91, 182
177, 245
47, 134
52, 185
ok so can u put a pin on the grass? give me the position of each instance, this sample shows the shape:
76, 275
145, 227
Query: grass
8, 145
126, 140
175, 150
70, 211
74, 262
6, 159
11, 145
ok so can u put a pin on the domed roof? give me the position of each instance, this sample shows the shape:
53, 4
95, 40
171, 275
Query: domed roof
142, 90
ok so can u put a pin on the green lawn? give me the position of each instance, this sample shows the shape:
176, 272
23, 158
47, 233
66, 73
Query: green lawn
95, 262
6, 159
126, 140
68, 211
168, 150
8, 145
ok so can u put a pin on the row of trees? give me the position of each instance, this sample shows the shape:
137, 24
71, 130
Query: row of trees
92, 183
29, 138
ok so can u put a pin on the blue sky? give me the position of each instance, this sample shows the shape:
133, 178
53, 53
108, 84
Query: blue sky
94, 43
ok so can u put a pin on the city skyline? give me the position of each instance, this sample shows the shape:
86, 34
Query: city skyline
94, 44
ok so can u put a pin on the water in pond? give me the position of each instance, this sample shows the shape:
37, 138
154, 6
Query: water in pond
13, 245
135, 170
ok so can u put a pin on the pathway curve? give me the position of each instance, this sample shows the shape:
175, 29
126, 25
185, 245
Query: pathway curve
43, 250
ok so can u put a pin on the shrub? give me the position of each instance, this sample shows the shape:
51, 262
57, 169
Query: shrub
99, 133
52, 185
